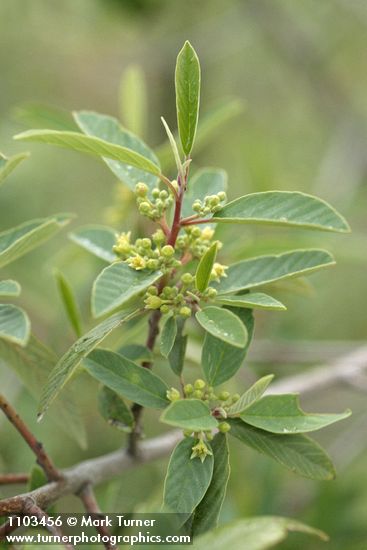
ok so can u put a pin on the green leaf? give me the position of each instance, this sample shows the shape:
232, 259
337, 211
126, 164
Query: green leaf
267, 269
223, 324
204, 269
69, 362
189, 414
206, 514
38, 115
255, 300
19, 240
256, 533
127, 379
8, 164
136, 352
187, 479
133, 99
297, 452
97, 239
37, 478
177, 354
174, 148
117, 284
32, 365
208, 126
110, 130
9, 288
14, 324
91, 145
221, 361
69, 302
282, 414
187, 81
114, 410
252, 395
207, 181
289, 208
168, 336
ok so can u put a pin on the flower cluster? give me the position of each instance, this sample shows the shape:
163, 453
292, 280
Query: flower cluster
196, 241
146, 253
210, 204
218, 404
154, 207
170, 299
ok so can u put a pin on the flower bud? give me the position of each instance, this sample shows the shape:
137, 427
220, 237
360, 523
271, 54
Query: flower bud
167, 251
152, 264
144, 207
141, 189
152, 302
224, 427
173, 394
222, 195
211, 292
235, 397
153, 290
198, 394
158, 237
146, 243
199, 384
185, 311
188, 389
187, 278
223, 396
155, 193
187, 433
164, 309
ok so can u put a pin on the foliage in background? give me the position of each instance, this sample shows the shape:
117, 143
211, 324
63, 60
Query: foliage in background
174, 275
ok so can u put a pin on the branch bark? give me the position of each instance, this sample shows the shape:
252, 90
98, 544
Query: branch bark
91, 472
106, 467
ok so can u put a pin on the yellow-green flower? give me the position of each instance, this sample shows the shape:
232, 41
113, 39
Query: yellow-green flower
137, 262
123, 245
218, 271
201, 451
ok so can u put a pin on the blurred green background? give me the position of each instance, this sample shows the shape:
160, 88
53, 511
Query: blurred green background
298, 69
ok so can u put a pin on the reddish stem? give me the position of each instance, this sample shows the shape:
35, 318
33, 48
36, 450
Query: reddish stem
195, 222
12, 479
91, 505
42, 457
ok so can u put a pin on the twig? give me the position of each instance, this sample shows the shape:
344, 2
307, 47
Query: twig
42, 457
343, 370
193, 221
13, 479
91, 472
137, 409
90, 503
7, 528
34, 510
